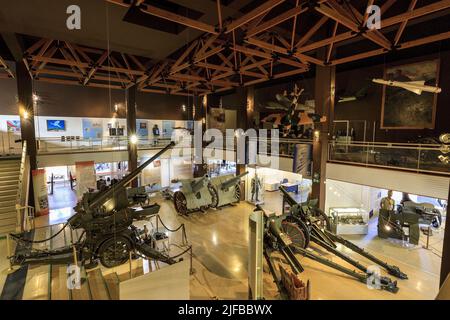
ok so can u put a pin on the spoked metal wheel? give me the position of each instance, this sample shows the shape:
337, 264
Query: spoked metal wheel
180, 203
114, 252
295, 234
214, 197
237, 193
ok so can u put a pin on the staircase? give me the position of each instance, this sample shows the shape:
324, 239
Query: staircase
9, 183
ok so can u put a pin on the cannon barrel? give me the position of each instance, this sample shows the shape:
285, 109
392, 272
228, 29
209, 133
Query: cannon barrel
197, 185
291, 201
101, 197
232, 181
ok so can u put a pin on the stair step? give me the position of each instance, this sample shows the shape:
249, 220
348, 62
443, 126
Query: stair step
7, 197
10, 182
10, 169
7, 221
112, 284
7, 203
9, 177
6, 192
59, 289
83, 293
7, 229
7, 209
97, 285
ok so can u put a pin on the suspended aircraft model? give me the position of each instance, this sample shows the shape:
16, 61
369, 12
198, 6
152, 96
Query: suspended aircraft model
414, 86
294, 113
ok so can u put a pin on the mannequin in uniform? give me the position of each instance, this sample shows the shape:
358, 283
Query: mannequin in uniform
387, 203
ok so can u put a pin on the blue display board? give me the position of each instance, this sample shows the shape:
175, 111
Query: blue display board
56, 125
92, 129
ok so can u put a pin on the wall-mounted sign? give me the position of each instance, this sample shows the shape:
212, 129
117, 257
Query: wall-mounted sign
85, 177
40, 192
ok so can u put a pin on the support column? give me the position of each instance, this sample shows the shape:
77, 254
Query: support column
324, 105
131, 130
199, 170
26, 113
445, 261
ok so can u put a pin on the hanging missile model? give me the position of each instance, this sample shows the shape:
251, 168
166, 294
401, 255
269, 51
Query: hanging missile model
414, 86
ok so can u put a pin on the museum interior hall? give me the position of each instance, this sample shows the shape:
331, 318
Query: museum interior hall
224, 149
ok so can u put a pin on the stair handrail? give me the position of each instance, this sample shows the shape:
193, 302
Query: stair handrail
22, 190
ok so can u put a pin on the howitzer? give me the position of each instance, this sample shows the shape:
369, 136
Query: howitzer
304, 223
226, 189
106, 220
196, 185
195, 195
232, 182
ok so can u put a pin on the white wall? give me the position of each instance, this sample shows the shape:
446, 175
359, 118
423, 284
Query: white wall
341, 194
415, 183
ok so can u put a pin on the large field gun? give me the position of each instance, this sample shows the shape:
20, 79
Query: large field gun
108, 232
195, 195
305, 223
227, 189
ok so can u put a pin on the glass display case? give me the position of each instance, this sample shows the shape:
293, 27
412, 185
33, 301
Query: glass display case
349, 220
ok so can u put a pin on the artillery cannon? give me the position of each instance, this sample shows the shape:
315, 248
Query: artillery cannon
195, 195
304, 223
227, 189
107, 223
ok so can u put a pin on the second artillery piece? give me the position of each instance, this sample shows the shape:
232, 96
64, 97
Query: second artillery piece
227, 189
194, 195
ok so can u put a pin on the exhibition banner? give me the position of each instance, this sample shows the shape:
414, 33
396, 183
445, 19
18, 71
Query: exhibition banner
40, 192
142, 129
85, 177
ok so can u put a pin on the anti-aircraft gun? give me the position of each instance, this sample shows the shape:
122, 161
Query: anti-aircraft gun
227, 189
304, 223
195, 195
107, 223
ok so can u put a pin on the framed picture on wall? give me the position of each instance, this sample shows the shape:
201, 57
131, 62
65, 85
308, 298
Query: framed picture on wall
56, 125
13, 125
403, 109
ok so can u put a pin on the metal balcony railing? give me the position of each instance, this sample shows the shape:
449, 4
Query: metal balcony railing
421, 158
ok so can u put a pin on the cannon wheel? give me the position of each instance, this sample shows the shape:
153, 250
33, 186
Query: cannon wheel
237, 192
114, 252
180, 202
293, 233
214, 197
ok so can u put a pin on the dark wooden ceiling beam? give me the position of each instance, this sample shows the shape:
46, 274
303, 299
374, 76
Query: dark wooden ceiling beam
167, 15
255, 13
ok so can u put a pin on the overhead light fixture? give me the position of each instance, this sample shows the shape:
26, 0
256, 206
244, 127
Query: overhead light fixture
133, 139
35, 97
184, 108
26, 115
387, 227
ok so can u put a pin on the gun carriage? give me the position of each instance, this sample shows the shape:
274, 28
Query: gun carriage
108, 235
227, 189
194, 195
293, 231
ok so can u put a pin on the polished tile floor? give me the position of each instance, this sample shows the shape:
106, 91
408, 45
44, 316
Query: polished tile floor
220, 258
